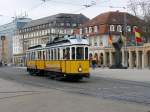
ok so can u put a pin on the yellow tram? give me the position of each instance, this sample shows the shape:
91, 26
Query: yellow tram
65, 57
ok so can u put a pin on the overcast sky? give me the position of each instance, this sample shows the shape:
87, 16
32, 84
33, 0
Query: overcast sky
37, 8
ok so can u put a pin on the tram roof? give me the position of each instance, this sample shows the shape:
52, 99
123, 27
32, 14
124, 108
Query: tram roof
37, 46
69, 40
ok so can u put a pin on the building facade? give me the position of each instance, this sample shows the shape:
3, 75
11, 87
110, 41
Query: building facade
6, 34
116, 24
43, 30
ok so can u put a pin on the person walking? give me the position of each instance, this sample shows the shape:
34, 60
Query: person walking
94, 62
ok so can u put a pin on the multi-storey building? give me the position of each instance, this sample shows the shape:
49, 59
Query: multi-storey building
43, 30
115, 24
6, 34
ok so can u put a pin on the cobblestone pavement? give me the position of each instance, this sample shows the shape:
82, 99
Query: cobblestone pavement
99, 87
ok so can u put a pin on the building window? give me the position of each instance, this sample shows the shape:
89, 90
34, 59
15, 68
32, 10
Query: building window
112, 28
95, 29
95, 41
90, 29
43, 25
61, 24
74, 24
53, 30
72, 31
90, 41
68, 24
128, 28
86, 30
119, 28
81, 31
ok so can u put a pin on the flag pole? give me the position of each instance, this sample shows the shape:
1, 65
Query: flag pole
125, 33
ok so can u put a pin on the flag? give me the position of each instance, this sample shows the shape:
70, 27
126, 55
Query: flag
137, 35
110, 39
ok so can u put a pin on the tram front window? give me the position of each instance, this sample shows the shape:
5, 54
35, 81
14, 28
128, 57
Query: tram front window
66, 53
80, 53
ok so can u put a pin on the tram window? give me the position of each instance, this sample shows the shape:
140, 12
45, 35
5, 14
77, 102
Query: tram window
39, 54
73, 52
55, 57
52, 54
36, 55
49, 54
43, 55
86, 53
80, 53
27, 56
32, 56
66, 53
58, 53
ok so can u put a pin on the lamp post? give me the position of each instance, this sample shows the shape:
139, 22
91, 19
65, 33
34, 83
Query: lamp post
3, 52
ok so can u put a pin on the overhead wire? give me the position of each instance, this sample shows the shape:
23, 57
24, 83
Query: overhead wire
94, 3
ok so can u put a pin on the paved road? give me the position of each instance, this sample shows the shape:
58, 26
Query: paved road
112, 89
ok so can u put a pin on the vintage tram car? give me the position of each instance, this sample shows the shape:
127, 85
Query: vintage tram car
65, 57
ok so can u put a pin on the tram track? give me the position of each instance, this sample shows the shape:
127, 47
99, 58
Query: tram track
119, 90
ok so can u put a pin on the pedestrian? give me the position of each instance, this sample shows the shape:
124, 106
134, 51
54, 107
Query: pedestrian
94, 62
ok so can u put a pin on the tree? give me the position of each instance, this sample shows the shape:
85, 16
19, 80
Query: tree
141, 8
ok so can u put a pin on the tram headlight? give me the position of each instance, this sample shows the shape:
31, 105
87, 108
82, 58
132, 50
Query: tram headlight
80, 69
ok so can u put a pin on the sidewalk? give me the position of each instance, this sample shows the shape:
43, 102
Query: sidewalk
139, 75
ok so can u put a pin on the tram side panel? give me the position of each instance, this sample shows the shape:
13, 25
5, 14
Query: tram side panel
53, 66
68, 67
40, 64
74, 67
31, 64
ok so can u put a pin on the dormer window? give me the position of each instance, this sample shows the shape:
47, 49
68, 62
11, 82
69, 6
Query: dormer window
119, 28
95, 29
128, 28
81, 31
90, 29
112, 28
86, 30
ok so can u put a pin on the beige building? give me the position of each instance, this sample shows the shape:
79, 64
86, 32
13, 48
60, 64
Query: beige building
116, 24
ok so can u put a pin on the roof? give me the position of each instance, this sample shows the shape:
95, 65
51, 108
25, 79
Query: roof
69, 40
37, 46
114, 18
77, 18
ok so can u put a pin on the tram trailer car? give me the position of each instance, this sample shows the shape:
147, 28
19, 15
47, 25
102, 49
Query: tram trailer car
63, 58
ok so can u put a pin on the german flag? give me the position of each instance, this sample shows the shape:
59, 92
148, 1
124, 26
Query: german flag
138, 38
110, 39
